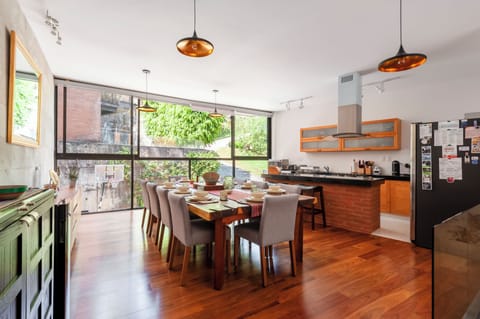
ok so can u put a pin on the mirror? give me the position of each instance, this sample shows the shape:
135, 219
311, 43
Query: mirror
24, 96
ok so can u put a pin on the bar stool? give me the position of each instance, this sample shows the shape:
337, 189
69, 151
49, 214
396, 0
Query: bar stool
318, 206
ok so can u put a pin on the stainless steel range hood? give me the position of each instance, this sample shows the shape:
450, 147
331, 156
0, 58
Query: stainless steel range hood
349, 106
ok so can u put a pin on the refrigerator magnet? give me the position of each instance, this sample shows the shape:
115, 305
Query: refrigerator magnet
474, 160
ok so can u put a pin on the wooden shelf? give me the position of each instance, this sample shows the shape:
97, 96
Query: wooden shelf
379, 135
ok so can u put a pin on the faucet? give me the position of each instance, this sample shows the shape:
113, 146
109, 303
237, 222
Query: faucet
327, 169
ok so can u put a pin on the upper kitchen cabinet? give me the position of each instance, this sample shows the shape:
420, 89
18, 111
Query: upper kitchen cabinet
379, 135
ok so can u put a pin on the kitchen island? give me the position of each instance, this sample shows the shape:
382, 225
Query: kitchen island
351, 202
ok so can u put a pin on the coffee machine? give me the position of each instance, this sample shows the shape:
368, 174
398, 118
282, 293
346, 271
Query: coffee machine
395, 168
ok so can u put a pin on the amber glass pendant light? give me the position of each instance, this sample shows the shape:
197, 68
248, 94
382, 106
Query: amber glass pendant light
146, 107
402, 60
194, 46
215, 114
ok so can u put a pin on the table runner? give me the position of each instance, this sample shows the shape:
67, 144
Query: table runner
241, 197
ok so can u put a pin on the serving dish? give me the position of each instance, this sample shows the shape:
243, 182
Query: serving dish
8, 192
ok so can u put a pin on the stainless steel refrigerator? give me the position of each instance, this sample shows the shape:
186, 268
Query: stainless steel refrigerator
445, 173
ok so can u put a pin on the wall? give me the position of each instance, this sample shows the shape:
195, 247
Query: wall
446, 87
19, 164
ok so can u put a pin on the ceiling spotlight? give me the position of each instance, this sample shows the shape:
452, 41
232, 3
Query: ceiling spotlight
54, 27
301, 106
146, 107
402, 60
215, 114
194, 46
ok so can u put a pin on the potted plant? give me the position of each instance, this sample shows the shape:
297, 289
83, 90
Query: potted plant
73, 172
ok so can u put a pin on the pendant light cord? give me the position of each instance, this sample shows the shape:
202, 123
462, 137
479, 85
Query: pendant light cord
401, 43
146, 86
194, 16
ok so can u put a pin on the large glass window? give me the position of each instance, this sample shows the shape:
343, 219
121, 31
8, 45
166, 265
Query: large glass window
98, 121
114, 146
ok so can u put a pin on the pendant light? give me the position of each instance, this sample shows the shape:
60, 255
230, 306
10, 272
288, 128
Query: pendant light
215, 114
194, 46
402, 60
146, 107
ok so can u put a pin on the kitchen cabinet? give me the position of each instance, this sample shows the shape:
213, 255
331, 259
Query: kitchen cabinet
26, 266
379, 135
395, 197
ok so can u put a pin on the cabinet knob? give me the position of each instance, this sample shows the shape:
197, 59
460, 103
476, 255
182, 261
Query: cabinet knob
31, 204
23, 208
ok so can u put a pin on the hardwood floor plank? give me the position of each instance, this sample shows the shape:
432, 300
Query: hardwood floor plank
117, 272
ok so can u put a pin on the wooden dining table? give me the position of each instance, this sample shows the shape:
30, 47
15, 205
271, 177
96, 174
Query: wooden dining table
225, 212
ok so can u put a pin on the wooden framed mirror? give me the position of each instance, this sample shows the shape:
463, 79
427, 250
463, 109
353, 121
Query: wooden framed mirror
24, 96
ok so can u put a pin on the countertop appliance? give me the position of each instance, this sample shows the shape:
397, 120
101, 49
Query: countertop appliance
435, 199
395, 168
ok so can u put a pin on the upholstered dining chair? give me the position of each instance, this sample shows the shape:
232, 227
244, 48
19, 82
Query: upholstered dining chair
291, 189
277, 224
146, 204
166, 216
154, 209
260, 184
189, 232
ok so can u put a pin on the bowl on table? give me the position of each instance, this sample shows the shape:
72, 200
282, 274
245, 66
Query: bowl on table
211, 178
183, 189
247, 185
258, 195
201, 194
274, 188
168, 184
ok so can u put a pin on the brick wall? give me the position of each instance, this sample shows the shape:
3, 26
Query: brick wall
83, 114
355, 208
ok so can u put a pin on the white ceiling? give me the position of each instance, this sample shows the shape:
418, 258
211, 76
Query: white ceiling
266, 51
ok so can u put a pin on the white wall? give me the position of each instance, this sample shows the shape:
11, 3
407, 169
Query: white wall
446, 87
18, 163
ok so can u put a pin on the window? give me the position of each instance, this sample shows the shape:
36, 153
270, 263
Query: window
115, 146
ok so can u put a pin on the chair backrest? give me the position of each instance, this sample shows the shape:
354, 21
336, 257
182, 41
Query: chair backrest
152, 196
181, 225
162, 194
291, 189
260, 184
146, 200
277, 223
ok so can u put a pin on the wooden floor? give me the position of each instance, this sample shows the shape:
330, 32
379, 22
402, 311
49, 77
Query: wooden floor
119, 273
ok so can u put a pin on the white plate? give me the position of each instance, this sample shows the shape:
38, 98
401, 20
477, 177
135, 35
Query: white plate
272, 191
198, 199
255, 200
179, 192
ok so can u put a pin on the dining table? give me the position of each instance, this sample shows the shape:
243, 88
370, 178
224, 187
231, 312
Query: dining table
239, 206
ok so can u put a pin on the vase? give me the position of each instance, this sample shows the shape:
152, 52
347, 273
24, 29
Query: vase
72, 183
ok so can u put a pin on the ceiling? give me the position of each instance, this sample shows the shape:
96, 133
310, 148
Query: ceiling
266, 52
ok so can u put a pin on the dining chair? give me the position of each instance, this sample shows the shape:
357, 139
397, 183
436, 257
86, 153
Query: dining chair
260, 184
291, 189
277, 224
166, 216
317, 206
146, 203
154, 208
190, 232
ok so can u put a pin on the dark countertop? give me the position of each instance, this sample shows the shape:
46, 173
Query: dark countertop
330, 178
401, 177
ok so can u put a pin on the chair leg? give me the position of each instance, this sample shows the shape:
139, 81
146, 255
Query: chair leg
160, 241
170, 242
186, 258
263, 266
228, 256
293, 259
267, 258
143, 216
313, 218
149, 225
172, 253
159, 224
236, 251
270, 255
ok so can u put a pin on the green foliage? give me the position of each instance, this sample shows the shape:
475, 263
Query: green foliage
181, 125
251, 136
26, 97
199, 167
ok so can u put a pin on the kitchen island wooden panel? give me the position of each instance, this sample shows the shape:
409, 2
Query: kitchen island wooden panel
350, 203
